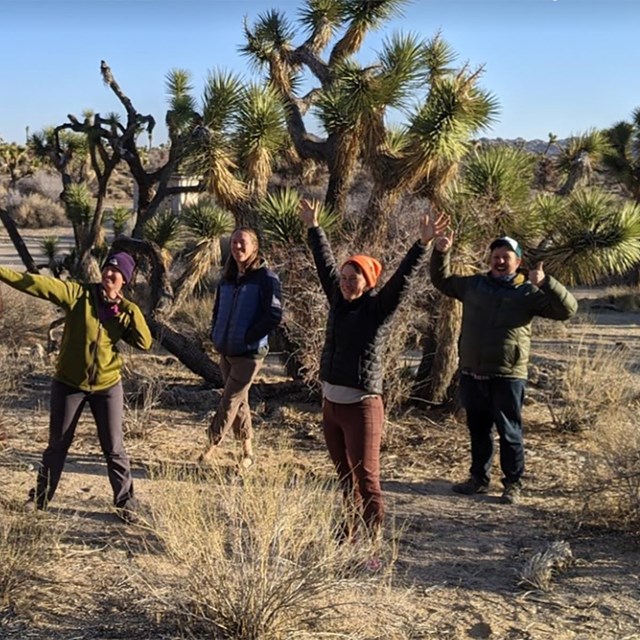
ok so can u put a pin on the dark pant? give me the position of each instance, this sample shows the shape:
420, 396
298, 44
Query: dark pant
67, 404
494, 401
353, 433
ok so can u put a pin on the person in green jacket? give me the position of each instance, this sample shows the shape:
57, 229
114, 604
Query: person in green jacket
495, 340
88, 371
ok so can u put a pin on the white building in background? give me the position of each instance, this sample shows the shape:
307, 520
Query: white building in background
176, 201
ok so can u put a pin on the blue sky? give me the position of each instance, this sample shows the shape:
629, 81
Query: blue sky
559, 66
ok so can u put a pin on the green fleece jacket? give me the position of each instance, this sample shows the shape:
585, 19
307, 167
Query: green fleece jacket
89, 359
495, 339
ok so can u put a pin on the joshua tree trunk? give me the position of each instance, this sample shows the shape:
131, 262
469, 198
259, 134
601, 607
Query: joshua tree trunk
439, 353
18, 242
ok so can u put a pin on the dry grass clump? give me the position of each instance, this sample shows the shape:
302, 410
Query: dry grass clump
23, 543
541, 567
597, 378
255, 557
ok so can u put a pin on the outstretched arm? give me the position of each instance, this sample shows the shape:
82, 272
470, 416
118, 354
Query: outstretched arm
391, 294
57, 291
320, 247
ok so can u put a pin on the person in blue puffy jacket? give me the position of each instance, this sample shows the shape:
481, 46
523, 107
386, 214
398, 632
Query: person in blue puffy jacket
248, 306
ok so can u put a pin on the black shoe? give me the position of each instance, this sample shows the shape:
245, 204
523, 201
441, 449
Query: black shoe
471, 486
512, 492
128, 511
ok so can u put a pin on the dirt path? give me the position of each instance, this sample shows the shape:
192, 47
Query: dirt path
463, 557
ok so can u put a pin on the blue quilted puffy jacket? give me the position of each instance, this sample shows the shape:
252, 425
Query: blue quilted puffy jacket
245, 312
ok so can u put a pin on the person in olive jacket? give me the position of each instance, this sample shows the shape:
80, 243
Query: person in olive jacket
88, 371
495, 340
351, 364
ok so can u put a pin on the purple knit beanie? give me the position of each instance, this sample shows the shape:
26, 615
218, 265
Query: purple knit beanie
123, 262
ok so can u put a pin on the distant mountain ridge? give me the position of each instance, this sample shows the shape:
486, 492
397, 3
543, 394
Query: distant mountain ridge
533, 146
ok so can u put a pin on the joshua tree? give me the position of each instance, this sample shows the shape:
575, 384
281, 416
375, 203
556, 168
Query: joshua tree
623, 157
352, 102
17, 161
206, 223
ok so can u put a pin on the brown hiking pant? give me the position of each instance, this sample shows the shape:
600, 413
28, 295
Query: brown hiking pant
233, 411
353, 433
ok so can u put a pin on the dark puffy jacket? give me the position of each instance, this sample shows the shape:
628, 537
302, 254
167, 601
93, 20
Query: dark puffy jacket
356, 331
245, 312
495, 339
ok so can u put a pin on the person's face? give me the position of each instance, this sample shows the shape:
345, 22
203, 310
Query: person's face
503, 262
112, 281
352, 283
243, 247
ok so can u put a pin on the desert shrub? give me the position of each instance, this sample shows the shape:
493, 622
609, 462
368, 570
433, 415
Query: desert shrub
24, 320
142, 397
254, 556
48, 185
610, 475
34, 210
596, 378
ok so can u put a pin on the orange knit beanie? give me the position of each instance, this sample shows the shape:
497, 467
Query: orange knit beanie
369, 266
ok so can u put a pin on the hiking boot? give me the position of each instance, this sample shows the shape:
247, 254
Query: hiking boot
128, 511
512, 492
471, 486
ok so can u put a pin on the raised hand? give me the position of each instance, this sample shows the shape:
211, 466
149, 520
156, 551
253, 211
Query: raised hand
444, 241
537, 275
308, 212
432, 225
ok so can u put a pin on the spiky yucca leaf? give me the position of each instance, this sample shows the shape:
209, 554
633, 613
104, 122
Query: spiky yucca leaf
207, 223
592, 142
205, 220
261, 134
321, 18
50, 245
596, 237
272, 32
119, 218
438, 57
221, 97
78, 204
363, 16
281, 222
396, 140
401, 61
163, 229
500, 174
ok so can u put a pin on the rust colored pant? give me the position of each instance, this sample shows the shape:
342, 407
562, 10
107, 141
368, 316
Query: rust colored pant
353, 433
233, 411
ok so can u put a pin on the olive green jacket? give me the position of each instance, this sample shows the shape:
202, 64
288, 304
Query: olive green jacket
89, 359
495, 339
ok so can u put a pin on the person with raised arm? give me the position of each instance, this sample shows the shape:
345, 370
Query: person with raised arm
351, 369
495, 340
88, 371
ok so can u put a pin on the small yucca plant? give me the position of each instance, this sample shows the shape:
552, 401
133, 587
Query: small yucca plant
281, 222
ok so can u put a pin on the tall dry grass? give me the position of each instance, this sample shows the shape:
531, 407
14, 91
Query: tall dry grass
598, 397
255, 557
24, 543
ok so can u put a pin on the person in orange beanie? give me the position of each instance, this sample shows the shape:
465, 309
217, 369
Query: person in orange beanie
351, 363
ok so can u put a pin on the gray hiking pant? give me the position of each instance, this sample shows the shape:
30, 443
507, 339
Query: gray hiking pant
67, 404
